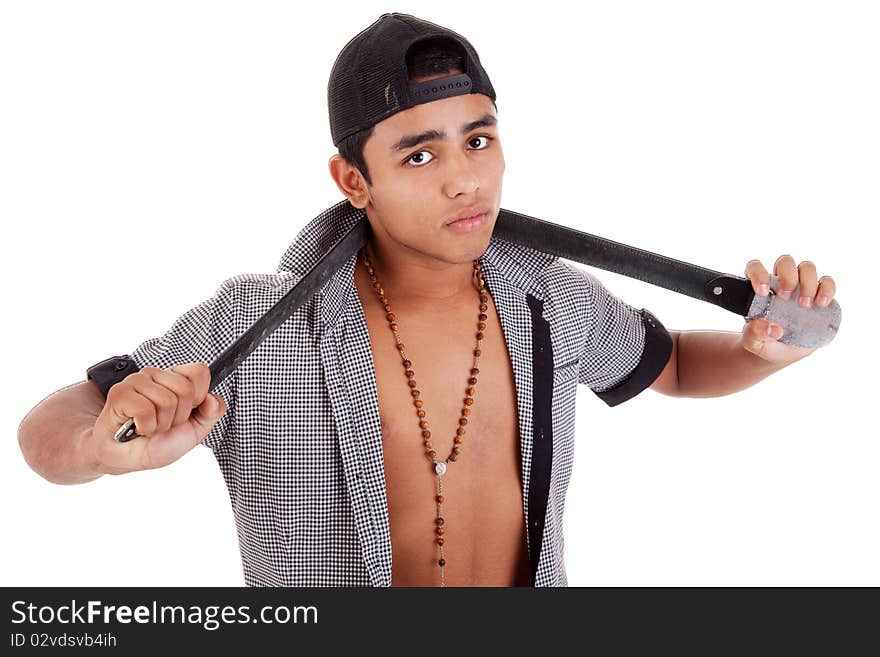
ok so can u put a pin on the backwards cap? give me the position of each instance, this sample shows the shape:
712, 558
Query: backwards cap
369, 80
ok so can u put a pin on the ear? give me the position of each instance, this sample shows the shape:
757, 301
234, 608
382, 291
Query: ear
349, 180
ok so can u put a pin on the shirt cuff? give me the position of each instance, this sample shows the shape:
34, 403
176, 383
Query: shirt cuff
655, 355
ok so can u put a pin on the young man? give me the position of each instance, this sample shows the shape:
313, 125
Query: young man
413, 423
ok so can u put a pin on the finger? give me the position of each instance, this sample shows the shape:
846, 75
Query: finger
163, 399
200, 376
182, 387
125, 403
808, 281
206, 415
786, 269
759, 276
826, 292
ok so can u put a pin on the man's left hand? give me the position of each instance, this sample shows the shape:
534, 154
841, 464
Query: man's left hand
813, 290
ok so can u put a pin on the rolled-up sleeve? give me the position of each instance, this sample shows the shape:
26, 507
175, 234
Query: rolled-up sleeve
198, 336
625, 348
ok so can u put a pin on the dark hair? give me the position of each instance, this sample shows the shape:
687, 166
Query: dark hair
427, 57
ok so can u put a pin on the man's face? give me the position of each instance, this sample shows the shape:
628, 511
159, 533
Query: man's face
419, 187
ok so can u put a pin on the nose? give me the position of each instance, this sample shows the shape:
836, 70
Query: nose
461, 177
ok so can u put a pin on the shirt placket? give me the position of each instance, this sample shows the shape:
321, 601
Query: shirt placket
520, 315
348, 361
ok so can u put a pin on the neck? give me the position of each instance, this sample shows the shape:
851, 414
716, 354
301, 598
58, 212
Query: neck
411, 277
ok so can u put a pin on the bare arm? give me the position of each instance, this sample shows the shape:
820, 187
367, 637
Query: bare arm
53, 436
68, 437
714, 363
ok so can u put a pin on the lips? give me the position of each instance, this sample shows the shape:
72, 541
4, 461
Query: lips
464, 219
468, 213
468, 224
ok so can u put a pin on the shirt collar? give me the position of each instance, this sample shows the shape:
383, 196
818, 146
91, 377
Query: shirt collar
503, 262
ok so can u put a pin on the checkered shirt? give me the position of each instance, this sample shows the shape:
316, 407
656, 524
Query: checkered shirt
300, 447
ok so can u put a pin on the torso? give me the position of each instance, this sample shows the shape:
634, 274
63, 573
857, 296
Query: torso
485, 541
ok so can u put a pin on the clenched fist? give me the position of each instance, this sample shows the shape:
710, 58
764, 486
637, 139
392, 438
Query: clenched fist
761, 336
161, 403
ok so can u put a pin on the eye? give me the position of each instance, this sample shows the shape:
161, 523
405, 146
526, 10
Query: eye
419, 154
487, 138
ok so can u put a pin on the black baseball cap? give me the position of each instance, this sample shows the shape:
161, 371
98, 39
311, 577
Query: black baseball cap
369, 80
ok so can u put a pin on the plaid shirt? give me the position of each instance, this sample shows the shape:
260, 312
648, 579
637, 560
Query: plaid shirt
300, 447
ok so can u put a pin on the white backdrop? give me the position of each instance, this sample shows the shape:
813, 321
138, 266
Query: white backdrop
148, 151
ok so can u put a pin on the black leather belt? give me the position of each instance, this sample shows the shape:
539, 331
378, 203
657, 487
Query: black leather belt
806, 327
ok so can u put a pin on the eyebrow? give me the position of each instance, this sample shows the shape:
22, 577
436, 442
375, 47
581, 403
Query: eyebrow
409, 141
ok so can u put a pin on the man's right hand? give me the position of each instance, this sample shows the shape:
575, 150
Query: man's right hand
161, 403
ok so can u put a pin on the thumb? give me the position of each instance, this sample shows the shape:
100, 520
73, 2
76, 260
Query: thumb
757, 332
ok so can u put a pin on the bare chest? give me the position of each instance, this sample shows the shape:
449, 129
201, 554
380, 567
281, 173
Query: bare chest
484, 539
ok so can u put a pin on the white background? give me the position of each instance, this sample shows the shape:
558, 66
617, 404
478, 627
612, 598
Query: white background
148, 151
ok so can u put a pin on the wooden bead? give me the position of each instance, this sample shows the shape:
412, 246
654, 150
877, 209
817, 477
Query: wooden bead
387, 308
393, 326
401, 346
442, 562
460, 433
439, 540
472, 380
483, 317
465, 411
440, 499
458, 440
481, 326
426, 434
480, 335
468, 401
462, 420
439, 522
431, 453
471, 391
424, 424
418, 402
475, 371
440, 530
390, 317
412, 383
414, 392
484, 307
420, 413
409, 374
477, 352
407, 364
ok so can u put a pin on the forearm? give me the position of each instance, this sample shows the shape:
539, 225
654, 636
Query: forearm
714, 363
54, 436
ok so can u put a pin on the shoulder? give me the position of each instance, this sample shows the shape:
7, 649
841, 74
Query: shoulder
572, 285
253, 292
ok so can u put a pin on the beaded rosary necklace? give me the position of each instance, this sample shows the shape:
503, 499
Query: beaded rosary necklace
439, 467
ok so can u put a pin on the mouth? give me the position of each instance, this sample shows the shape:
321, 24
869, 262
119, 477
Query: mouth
468, 224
